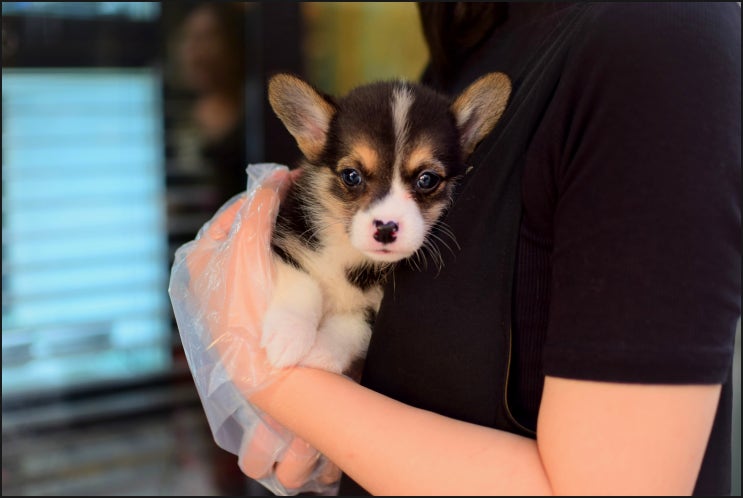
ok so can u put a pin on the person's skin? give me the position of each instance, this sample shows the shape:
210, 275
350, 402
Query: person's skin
593, 438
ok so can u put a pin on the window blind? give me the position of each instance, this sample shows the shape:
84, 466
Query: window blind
83, 222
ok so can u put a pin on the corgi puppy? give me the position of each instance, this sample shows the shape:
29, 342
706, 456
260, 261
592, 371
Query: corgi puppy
379, 168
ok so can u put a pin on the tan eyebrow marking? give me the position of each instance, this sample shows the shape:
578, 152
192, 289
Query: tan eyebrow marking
421, 154
366, 155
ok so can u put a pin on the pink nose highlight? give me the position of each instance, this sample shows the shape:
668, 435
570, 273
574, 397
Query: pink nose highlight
386, 233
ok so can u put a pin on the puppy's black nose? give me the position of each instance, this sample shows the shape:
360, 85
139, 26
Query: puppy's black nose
386, 232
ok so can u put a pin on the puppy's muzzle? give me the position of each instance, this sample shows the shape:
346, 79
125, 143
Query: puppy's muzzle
386, 232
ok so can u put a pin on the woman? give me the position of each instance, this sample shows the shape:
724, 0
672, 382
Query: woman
581, 340
212, 60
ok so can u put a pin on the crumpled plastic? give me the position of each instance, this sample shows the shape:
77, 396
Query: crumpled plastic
220, 330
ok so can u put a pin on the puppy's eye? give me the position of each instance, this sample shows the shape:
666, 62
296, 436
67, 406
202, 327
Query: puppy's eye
427, 181
351, 177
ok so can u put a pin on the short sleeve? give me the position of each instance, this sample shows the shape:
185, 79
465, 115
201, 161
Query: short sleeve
646, 263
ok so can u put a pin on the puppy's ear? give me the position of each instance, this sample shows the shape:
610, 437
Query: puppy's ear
479, 107
304, 112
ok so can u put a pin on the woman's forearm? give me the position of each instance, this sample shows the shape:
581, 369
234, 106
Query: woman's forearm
392, 448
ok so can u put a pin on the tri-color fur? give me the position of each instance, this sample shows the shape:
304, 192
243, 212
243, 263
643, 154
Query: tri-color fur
379, 168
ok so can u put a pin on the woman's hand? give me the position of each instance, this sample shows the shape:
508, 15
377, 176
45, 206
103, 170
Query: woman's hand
229, 282
296, 466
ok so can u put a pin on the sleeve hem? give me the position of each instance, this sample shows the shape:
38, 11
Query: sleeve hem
678, 367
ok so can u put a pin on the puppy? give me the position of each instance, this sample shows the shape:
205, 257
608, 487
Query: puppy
379, 168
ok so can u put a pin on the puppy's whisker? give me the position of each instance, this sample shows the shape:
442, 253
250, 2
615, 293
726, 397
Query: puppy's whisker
445, 230
416, 260
436, 256
422, 254
316, 230
436, 253
442, 241
427, 252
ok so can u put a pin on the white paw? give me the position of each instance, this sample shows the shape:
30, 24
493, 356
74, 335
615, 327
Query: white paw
287, 336
322, 358
341, 339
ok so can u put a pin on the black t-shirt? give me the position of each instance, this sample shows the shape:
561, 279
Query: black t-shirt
599, 228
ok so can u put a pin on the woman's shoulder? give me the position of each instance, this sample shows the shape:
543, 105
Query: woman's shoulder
645, 56
660, 29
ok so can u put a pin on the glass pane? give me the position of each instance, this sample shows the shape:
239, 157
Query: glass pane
83, 228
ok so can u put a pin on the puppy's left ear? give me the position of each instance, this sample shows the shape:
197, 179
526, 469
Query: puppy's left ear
304, 112
479, 107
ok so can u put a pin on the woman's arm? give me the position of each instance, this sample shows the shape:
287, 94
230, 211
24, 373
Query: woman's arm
593, 438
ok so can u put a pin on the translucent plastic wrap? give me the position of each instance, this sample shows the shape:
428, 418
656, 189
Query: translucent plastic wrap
220, 286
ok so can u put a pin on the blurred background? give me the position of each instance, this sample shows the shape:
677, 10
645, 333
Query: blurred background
125, 125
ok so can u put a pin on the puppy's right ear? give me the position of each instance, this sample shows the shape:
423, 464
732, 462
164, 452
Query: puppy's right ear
304, 112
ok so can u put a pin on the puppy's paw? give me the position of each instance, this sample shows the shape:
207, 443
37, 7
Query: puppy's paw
287, 336
341, 339
324, 359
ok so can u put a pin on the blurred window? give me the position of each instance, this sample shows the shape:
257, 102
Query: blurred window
84, 231
132, 10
